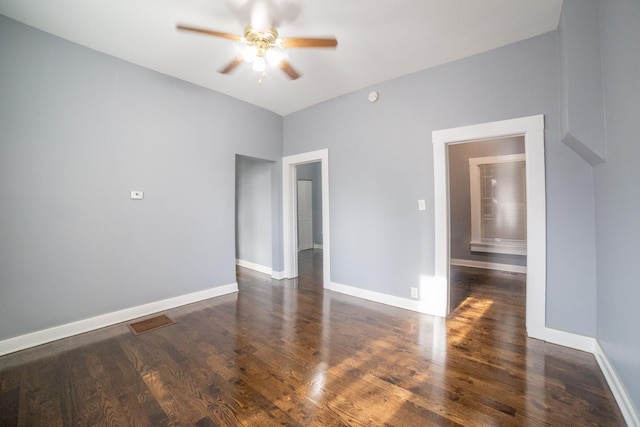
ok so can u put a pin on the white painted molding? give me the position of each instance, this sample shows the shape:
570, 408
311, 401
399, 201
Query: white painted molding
277, 275
430, 306
289, 212
629, 411
394, 301
252, 266
489, 265
44, 336
441, 215
532, 128
567, 339
504, 247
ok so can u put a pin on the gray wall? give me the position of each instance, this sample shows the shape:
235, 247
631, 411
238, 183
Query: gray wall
253, 210
581, 80
313, 172
80, 129
381, 163
618, 194
460, 196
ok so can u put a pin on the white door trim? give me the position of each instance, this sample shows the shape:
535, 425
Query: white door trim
289, 212
532, 128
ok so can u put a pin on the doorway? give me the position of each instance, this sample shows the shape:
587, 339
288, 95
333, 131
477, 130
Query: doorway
290, 215
532, 129
305, 214
253, 219
309, 213
487, 212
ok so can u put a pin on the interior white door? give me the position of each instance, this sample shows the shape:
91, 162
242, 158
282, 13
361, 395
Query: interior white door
305, 217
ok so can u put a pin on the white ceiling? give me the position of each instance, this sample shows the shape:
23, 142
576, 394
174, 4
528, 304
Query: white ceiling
377, 39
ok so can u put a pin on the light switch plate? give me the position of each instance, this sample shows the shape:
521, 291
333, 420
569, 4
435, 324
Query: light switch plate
137, 195
421, 205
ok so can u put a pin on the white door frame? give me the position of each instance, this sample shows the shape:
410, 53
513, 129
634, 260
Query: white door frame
532, 128
289, 212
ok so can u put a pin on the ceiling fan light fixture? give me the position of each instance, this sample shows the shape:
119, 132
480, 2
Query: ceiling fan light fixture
249, 53
259, 64
274, 56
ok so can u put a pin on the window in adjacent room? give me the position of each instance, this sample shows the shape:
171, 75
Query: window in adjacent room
498, 204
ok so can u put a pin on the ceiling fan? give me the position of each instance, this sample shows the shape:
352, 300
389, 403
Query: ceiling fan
264, 45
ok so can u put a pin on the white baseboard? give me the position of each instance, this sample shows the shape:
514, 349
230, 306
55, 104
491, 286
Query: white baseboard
253, 266
44, 336
489, 265
407, 304
567, 339
277, 275
628, 409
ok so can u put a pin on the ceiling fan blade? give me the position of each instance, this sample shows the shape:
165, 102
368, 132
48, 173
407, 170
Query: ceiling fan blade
231, 66
287, 68
295, 42
209, 32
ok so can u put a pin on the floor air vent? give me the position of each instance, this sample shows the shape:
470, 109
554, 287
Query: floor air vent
150, 324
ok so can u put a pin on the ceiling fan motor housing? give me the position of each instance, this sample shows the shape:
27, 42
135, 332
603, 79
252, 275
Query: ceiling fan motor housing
263, 40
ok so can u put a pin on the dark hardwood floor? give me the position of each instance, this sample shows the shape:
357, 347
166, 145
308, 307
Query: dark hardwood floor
288, 353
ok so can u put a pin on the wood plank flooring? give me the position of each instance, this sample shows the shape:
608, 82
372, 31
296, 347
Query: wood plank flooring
288, 353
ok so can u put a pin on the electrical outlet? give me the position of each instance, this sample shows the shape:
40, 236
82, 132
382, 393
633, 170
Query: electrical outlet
137, 195
414, 292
